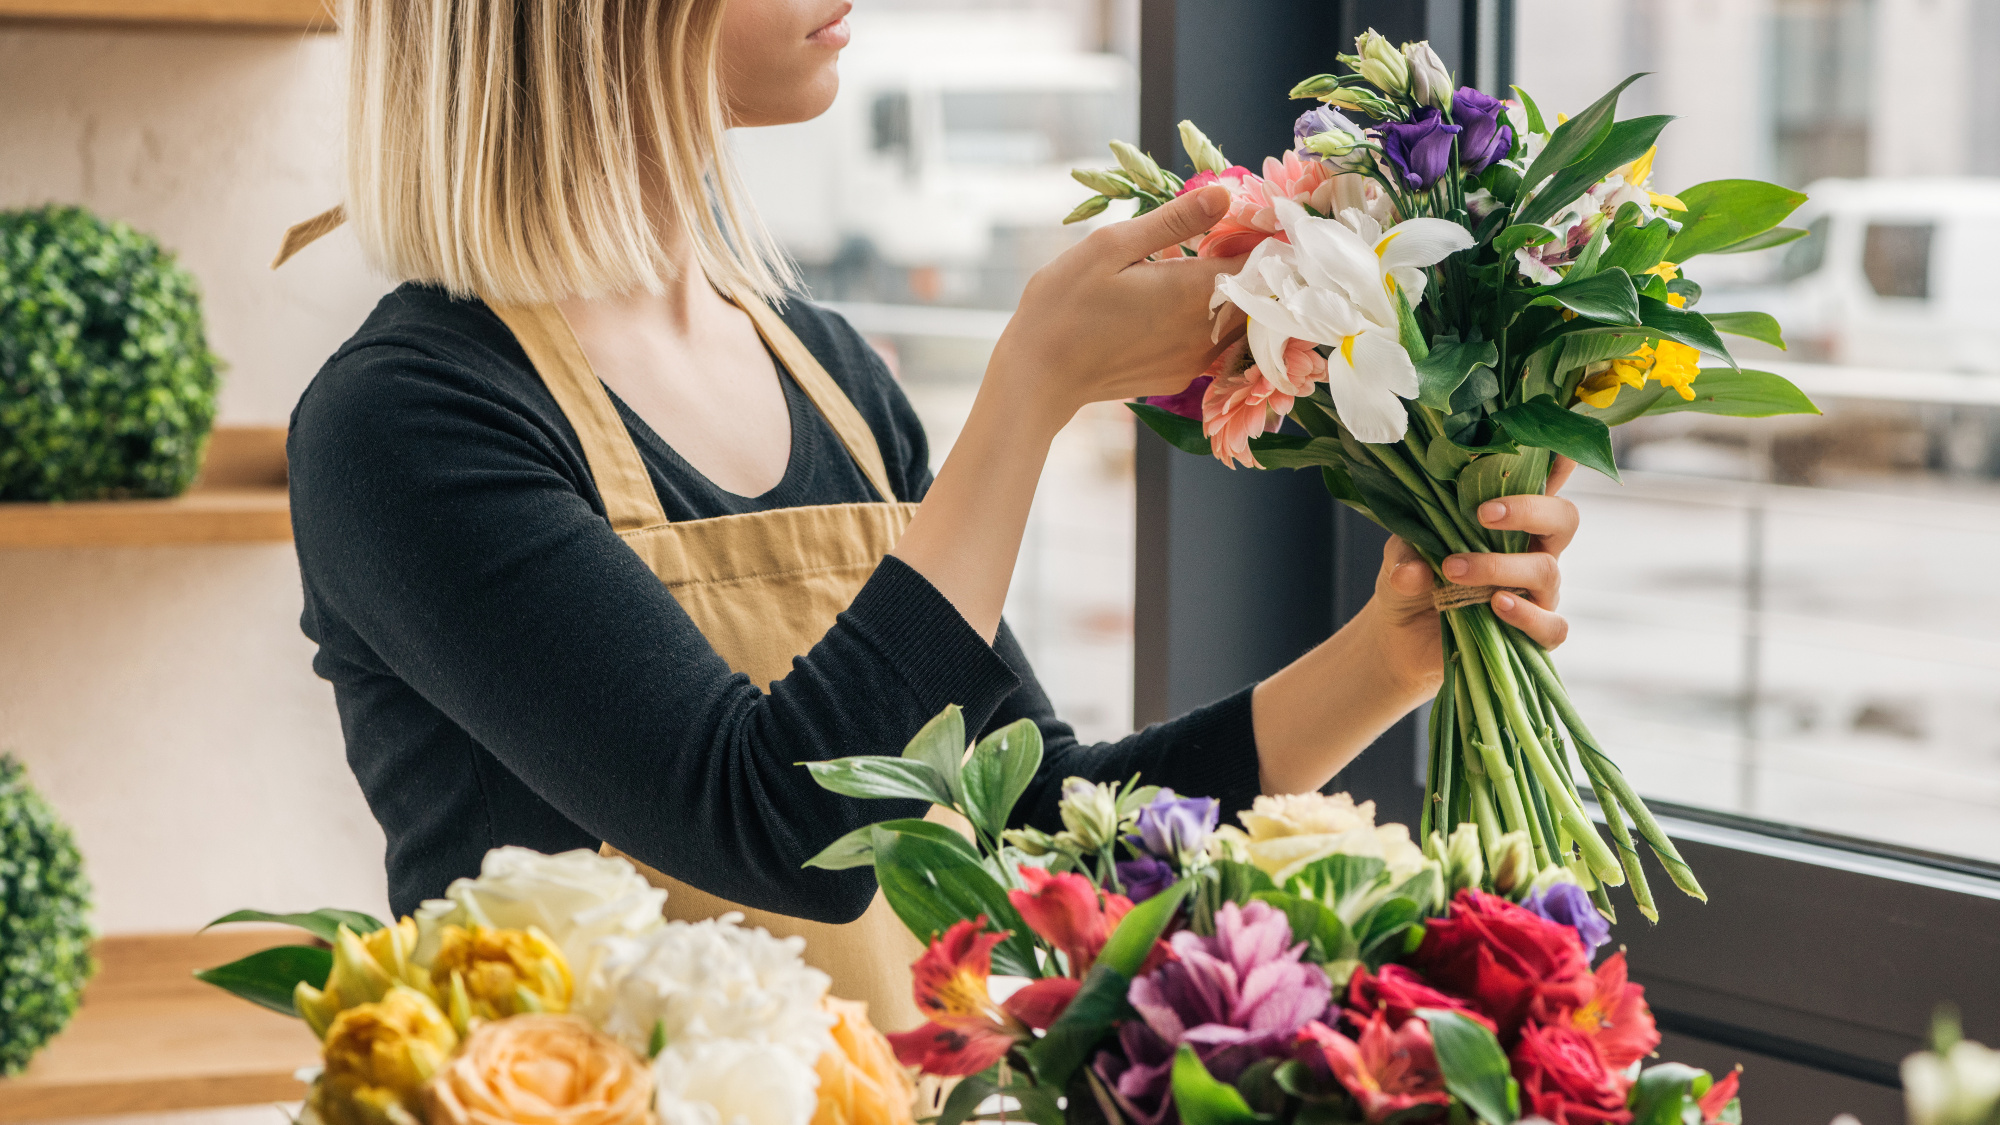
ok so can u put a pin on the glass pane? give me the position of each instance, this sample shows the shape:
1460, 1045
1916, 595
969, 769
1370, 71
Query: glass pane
941, 177
1791, 618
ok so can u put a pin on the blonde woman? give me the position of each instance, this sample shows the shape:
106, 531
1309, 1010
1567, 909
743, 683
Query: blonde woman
604, 530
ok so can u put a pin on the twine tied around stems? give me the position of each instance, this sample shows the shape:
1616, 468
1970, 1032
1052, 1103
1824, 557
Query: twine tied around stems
1453, 596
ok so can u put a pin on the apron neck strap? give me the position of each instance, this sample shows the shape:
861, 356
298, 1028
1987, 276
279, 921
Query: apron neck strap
630, 501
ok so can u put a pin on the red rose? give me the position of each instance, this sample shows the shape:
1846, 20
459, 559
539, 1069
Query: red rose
1504, 958
1563, 1078
1398, 992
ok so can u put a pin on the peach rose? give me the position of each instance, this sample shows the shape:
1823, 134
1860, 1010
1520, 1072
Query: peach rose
542, 1070
860, 1081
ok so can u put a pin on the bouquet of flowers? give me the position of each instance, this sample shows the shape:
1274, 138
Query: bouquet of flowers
1955, 1082
1145, 966
550, 989
1443, 289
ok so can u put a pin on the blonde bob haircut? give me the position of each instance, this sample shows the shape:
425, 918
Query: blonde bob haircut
525, 151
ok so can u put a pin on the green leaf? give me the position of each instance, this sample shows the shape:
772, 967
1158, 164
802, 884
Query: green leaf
1447, 367
1638, 249
1517, 235
1236, 881
1543, 424
1385, 921
1386, 498
268, 977
932, 885
1776, 236
874, 776
1681, 326
1038, 1105
1571, 142
1097, 1006
1718, 390
1623, 143
1472, 1063
966, 1097
1202, 1100
1725, 213
1132, 942
1762, 327
1294, 451
323, 923
857, 848
1316, 924
1182, 433
1501, 474
941, 746
1480, 387
1444, 460
1606, 296
1338, 880
1662, 1093
1535, 124
999, 771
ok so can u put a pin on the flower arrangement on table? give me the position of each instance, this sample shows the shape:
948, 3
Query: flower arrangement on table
1440, 298
550, 990
1144, 965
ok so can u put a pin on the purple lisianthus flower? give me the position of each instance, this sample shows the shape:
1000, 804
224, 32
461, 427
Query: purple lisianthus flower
1322, 119
1487, 136
1187, 402
1174, 828
1145, 877
1237, 997
1567, 904
1418, 149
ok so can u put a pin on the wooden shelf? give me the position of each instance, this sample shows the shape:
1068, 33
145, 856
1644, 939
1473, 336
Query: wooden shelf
272, 15
150, 1038
239, 498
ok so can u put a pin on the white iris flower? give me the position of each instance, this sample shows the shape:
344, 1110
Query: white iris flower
1335, 283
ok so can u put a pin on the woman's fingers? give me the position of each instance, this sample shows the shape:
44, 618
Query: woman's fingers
1550, 519
1404, 570
1534, 571
1559, 472
1546, 627
1167, 226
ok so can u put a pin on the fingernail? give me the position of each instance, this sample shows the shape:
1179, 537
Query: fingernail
1493, 511
1214, 201
1503, 601
1456, 567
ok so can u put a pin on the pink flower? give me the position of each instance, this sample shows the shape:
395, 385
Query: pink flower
1242, 404
1387, 1071
1250, 219
1065, 911
966, 1031
1309, 182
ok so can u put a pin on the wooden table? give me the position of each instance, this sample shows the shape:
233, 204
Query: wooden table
149, 1037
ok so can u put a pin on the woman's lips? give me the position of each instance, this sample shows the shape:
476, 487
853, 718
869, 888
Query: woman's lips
834, 33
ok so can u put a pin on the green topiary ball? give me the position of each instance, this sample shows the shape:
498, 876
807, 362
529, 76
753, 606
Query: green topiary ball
107, 386
44, 933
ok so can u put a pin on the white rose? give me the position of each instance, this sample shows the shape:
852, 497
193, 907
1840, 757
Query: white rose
712, 980
578, 898
733, 1082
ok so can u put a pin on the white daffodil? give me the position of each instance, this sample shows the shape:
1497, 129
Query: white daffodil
1335, 283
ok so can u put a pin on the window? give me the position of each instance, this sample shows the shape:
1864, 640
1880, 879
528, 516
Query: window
1896, 259
1031, 127
1805, 256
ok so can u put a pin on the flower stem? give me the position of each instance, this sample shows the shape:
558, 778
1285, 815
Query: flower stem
1489, 743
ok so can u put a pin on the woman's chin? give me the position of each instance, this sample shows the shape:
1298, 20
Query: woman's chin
802, 102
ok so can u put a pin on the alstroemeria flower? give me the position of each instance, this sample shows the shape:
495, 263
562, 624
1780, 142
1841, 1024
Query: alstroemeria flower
1386, 1071
1336, 283
967, 1031
1612, 1013
1719, 1096
1066, 911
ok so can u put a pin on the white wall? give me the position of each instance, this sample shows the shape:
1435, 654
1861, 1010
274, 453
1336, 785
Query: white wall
162, 697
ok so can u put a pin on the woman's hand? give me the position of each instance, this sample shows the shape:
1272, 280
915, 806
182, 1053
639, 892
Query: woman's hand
1102, 321
1315, 715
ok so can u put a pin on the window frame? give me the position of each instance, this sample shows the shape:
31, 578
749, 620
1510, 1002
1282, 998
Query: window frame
1825, 954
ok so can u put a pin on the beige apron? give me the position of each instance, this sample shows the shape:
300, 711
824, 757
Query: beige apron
763, 587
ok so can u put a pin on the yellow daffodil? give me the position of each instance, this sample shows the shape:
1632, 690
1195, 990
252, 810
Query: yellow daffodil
1641, 170
1676, 365
378, 1057
489, 974
365, 967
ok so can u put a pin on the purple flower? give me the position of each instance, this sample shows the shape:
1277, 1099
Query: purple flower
1145, 877
1237, 997
1322, 119
1174, 828
1487, 136
1420, 148
1568, 905
1187, 403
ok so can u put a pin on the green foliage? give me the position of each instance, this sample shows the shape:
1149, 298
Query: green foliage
107, 386
44, 929
1541, 423
1101, 1001
1732, 394
1723, 214
268, 977
1181, 432
1202, 1100
323, 923
1473, 1065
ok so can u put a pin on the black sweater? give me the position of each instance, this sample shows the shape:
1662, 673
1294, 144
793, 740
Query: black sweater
508, 672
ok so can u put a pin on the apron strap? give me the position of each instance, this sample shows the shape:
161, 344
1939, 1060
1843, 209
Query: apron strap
629, 499
833, 403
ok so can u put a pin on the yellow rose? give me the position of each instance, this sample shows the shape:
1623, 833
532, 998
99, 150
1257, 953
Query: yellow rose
378, 1057
1288, 832
489, 974
542, 1070
365, 967
860, 1081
